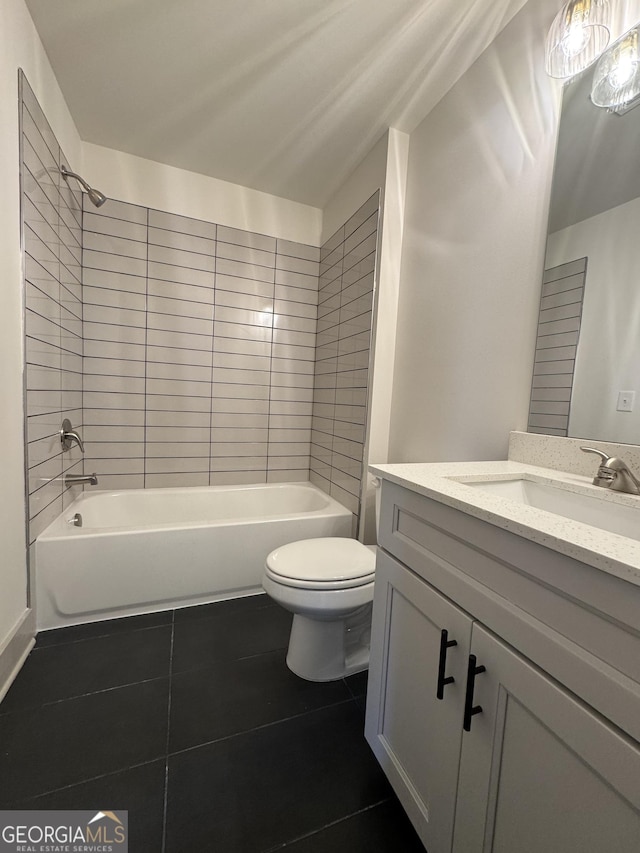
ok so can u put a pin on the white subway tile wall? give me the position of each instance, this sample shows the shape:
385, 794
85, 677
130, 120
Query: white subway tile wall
199, 351
187, 353
345, 304
556, 346
52, 235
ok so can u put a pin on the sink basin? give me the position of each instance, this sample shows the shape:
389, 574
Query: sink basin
606, 515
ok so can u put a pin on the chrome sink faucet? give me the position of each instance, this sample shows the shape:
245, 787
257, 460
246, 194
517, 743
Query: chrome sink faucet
613, 473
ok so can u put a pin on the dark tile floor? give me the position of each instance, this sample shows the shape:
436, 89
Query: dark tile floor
191, 721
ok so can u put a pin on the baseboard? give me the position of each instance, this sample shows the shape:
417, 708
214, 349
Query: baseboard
15, 649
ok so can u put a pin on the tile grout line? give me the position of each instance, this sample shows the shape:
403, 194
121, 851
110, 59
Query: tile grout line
332, 823
82, 695
166, 760
26, 800
213, 348
146, 357
100, 636
83, 470
273, 307
264, 726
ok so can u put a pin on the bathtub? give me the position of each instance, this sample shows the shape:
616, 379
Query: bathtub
145, 550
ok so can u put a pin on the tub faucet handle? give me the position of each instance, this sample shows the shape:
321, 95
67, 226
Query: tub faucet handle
68, 436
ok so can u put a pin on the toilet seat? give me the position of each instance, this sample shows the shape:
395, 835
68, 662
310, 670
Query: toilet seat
323, 564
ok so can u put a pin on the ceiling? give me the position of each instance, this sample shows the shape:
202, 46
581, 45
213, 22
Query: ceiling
284, 96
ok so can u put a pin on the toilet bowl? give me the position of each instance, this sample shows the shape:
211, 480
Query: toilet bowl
328, 585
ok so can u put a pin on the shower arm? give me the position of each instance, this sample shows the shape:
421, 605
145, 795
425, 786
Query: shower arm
67, 173
96, 197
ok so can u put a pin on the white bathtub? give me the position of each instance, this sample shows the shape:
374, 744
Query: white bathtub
144, 550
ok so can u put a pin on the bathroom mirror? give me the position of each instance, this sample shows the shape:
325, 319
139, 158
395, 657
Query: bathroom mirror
586, 380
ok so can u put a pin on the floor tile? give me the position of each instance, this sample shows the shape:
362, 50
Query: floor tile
139, 790
357, 683
237, 696
231, 605
361, 704
74, 669
229, 635
260, 758
251, 792
385, 828
68, 742
74, 633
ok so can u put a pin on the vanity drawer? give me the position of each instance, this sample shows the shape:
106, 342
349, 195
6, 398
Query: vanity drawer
579, 624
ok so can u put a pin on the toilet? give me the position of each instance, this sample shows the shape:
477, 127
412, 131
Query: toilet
327, 584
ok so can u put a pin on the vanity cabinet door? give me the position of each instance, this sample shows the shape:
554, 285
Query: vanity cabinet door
415, 736
540, 771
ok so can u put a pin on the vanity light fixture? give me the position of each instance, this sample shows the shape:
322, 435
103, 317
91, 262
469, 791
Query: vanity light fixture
616, 80
579, 34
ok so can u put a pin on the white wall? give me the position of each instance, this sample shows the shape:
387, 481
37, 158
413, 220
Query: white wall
156, 185
384, 168
361, 184
19, 47
609, 347
386, 328
475, 220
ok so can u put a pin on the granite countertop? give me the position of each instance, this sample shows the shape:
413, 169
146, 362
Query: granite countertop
445, 482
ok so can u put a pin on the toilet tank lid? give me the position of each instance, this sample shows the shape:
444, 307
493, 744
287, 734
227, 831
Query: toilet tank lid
327, 559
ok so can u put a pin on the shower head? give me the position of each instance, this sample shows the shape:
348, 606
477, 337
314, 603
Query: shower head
95, 196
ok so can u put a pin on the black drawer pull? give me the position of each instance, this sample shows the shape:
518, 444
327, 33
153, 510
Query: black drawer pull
445, 643
470, 710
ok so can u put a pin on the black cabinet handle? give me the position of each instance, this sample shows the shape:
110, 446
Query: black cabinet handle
445, 643
470, 709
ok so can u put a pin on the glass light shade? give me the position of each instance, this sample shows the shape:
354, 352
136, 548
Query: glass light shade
616, 80
578, 36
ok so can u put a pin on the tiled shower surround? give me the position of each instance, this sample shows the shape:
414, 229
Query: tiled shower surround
188, 354
345, 304
556, 346
199, 346
52, 235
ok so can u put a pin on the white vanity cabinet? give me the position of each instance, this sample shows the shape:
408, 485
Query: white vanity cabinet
541, 768
415, 736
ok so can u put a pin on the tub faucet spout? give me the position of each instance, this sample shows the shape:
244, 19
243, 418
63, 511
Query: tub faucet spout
80, 479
